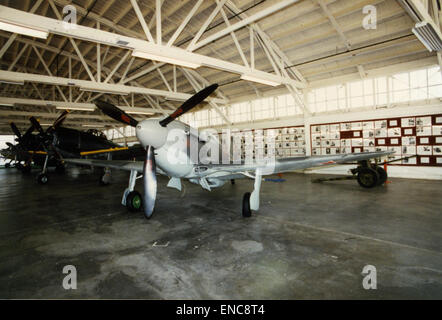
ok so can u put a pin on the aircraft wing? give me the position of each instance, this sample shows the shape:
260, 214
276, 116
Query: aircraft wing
231, 171
114, 164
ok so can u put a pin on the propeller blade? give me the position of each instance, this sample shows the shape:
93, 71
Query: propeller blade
10, 145
15, 130
115, 113
36, 125
59, 121
150, 182
196, 99
29, 131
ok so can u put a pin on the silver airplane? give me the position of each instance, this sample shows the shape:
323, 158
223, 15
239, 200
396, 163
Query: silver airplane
153, 136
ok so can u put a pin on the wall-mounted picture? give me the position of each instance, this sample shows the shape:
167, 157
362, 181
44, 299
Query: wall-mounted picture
423, 121
380, 133
408, 122
424, 150
380, 124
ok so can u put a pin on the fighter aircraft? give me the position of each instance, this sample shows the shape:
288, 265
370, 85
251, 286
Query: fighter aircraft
153, 135
48, 147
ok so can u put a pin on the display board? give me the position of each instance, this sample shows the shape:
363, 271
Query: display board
407, 136
287, 141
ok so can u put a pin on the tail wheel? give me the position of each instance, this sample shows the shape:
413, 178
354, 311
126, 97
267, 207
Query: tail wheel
104, 180
368, 177
42, 178
134, 202
382, 175
246, 212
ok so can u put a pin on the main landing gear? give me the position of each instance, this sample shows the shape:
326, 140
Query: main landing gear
132, 199
250, 201
370, 175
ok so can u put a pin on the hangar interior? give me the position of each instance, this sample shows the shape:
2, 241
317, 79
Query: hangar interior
324, 77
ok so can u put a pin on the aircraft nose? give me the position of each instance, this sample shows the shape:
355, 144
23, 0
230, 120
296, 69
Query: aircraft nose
150, 132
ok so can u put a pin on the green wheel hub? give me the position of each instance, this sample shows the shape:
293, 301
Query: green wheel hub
136, 202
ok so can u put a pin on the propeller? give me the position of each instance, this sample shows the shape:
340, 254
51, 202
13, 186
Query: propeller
15, 130
190, 103
115, 113
149, 167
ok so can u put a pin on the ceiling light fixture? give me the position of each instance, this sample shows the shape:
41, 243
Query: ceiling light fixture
429, 37
179, 62
78, 108
15, 28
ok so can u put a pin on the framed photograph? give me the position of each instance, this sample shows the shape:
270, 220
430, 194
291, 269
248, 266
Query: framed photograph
393, 123
409, 149
368, 125
408, 131
345, 126
438, 120
357, 150
425, 160
424, 150
381, 141
368, 133
380, 133
368, 142
424, 141
437, 150
356, 126
356, 143
409, 141
437, 130
356, 134
409, 160
423, 131
397, 150
438, 139
394, 141
439, 160
380, 124
423, 121
394, 132
408, 122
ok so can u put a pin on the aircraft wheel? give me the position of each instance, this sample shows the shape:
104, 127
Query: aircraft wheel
367, 177
232, 181
19, 166
26, 169
42, 178
246, 212
7, 165
134, 202
382, 175
60, 169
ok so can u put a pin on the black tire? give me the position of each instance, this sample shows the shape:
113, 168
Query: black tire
134, 201
246, 212
7, 165
60, 169
26, 169
42, 178
382, 175
232, 181
367, 177
19, 166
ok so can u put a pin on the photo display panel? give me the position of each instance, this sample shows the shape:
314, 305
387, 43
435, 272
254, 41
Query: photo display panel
288, 142
407, 136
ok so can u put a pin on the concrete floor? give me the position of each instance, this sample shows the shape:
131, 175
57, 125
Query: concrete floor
307, 241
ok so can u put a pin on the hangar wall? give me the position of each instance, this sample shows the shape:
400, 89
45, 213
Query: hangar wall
402, 171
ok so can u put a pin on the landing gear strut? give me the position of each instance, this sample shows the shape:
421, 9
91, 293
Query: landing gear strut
250, 201
43, 178
132, 199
